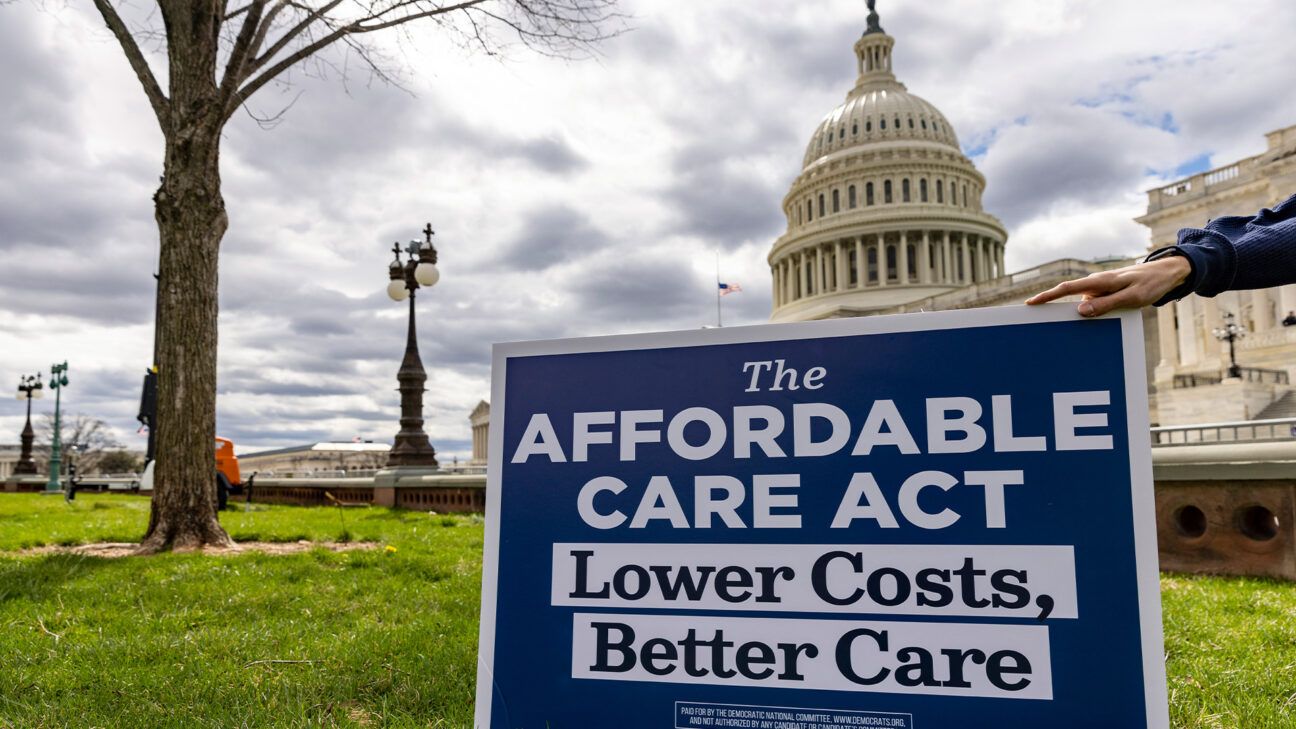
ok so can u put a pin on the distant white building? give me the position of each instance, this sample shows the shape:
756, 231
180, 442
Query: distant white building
316, 457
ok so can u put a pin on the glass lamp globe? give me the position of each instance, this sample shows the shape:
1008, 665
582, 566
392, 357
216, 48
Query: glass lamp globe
38, 393
22, 395
397, 291
427, 274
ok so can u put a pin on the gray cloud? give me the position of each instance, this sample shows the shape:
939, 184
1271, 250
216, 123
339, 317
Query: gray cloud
550, 236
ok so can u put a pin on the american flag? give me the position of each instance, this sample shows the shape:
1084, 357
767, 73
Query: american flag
729, 288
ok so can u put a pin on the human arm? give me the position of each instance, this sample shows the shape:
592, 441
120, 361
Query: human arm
1230, 253
1130, 287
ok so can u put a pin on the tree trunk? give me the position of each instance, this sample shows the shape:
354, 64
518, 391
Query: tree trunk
191, 221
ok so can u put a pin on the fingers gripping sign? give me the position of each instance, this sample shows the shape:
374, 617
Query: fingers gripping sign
1130, 287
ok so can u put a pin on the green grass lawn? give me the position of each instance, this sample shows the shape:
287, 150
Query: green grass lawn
389, 638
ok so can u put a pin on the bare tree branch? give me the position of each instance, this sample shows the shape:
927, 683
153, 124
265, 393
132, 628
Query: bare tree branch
264, 30
157, 99
241, 51
292, 33
352, 28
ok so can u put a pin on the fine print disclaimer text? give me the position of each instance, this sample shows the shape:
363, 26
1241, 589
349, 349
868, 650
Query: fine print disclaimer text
737, 716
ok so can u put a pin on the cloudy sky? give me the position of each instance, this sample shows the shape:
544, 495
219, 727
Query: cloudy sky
570, 198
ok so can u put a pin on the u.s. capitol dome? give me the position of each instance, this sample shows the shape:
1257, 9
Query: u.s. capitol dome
886, 209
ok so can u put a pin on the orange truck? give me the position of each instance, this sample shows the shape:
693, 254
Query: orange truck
229, 480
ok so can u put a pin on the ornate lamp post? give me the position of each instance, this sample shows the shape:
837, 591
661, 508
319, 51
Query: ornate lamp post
1230, 333
29, 387
412, 447
58, 380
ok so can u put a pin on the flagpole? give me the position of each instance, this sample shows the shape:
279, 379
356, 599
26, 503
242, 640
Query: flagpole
719, 321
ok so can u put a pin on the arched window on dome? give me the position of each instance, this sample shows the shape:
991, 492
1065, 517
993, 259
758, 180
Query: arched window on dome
897, 121
841, 133
868, 125
965, 202
836, 201
891, 270
821, 205
882, 123
922, 189
854, 129
904, 190
871, 258
798, 215
850, 197
868, 193
940, 192
924, 123
911, 126
886, 191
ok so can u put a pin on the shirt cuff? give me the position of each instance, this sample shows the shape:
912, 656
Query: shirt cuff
1182, 289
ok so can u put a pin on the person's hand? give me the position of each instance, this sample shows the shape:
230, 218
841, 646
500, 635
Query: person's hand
1130, 287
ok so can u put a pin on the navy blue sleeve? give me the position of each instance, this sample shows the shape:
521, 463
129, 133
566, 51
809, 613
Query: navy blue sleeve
1239, 252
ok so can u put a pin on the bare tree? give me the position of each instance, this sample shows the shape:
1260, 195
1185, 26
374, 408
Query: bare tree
218, 55
83, 438
119, 461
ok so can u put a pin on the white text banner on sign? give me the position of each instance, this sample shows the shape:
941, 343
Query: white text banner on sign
1029, 581
951, 659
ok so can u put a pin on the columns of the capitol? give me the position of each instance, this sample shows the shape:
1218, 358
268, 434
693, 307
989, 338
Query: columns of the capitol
1286, 299
966, 278
946, 275
1261, 310
1210, 320
861, 263
924, 260
818, 271
902, 263
1168, 338
881, 260
843, 278
1186, 315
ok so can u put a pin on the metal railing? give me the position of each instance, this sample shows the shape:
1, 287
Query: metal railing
1247, 374
1242, 431
1197, 379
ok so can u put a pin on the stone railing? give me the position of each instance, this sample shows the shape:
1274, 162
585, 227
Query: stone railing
1249, 431
1271, 338
1202, 184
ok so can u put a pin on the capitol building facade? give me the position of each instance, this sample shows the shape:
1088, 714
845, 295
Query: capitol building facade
885, 217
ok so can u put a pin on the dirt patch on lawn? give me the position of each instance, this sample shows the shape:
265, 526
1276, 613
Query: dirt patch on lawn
127, 549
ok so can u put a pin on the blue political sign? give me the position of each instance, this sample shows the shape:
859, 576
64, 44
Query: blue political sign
916, 521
